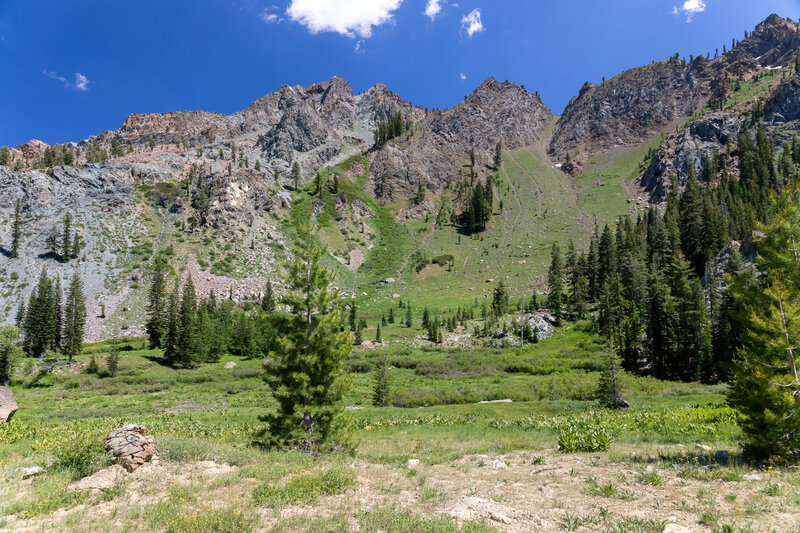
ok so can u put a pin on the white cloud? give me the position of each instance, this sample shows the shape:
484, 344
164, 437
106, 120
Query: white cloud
690, 8
352, 18
462, 76
268, 16
433, 8
359, 50
81, 82
55, 76
471, 23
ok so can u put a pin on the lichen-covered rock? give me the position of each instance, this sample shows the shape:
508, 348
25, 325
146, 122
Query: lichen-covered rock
131, 446
8, 404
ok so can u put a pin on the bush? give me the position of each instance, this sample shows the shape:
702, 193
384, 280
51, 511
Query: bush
575, 438
80, 453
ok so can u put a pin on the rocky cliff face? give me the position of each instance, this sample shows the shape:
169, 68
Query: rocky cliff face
641, 102
435, 153
630, 107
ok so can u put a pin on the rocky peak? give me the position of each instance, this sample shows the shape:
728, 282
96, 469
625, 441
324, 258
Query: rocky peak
774, 42
628, 108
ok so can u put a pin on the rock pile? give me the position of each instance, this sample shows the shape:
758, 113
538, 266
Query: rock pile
131, 446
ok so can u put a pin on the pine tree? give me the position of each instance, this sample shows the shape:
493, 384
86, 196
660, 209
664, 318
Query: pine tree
498, 155
426, 316
609, 389
391, 315
408, 315
112, 362
66, 239
380, 390
16, 230
500, 300
305, 367
296, 175
10, 352
19, 320
156, 308
170, 340
555, 284
74, 318
378, 338
187, 320
765, 386
58, 306
268, 302
40, 321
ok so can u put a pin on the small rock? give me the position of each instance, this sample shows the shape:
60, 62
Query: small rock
352, 408
751, 477
368, 345
672, 527
230, 364
499, 517
705, 448
499, 464
389, 280
722, 457
395, 295
31, 471
496, 401
411, 463
8, 404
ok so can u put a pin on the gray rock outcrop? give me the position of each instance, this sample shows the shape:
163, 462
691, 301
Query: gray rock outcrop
131, 446
8, 404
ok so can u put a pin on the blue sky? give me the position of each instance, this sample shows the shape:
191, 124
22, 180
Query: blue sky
73, 69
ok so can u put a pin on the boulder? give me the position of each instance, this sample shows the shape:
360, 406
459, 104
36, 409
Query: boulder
722, 457
368, 345
101, 480
131, 446
230, 364
31, 471
8, 404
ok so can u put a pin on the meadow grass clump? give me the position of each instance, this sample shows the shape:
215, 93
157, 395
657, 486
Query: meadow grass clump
305, 489
397, 521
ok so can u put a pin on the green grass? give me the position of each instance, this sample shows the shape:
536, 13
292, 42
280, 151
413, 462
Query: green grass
304, 489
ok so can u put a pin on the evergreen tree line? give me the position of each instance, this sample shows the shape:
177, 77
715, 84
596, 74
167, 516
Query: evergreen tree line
193, 331
53, 320
659, 303
389, 129
64, 244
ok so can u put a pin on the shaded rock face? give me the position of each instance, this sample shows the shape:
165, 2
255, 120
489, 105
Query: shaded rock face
8, 404
435, 154
706, 137
625, 109
131, 446
641, 102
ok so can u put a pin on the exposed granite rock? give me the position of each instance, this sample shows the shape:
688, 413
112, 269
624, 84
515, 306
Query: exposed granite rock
436, 153
8, 404
131, 446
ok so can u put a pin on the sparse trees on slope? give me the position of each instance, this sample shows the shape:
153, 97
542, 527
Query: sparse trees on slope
304, 369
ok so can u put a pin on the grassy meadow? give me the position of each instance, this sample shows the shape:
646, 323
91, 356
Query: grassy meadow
434, 460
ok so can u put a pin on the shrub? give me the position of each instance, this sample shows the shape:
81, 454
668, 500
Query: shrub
305, 488
575, 438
